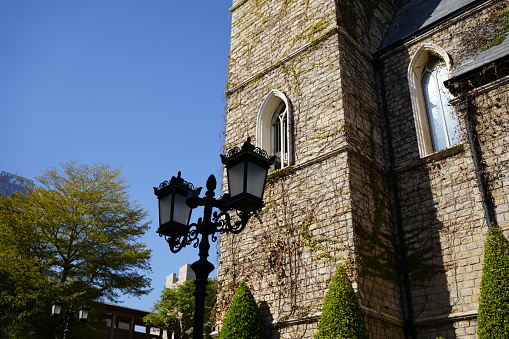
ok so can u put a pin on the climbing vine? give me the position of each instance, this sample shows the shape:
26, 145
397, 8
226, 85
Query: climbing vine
306, 234
490, 31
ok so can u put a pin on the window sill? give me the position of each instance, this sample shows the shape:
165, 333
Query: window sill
437, 156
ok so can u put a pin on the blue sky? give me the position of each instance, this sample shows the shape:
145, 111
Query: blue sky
131, 83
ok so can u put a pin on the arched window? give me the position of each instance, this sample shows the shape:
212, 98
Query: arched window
273, 128
435, 120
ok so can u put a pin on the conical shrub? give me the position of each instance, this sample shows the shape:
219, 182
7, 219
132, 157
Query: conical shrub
341, 314
493, 318
243, 320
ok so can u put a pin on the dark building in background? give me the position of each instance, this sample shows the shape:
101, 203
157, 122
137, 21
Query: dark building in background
11, 183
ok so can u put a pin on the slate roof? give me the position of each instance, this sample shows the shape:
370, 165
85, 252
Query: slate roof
416, 16
496, 54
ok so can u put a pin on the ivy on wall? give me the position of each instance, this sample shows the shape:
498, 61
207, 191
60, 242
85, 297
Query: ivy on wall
490, 31
298, 226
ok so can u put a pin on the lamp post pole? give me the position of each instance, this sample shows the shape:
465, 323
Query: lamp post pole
202, 267
70, 317
56, 308
247, 172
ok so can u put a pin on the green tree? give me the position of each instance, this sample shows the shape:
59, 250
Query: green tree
174, 312
23, 289
341, 314
493, 318
243, 320
74, 237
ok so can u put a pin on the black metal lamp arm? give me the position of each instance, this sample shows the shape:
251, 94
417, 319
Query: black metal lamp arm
223, 222
176, 243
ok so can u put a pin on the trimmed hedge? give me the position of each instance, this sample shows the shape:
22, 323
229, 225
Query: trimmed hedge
243, 320
493, 318
341, 314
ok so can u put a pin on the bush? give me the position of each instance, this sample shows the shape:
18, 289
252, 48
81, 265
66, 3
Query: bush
243, 319
493, 318
341, 314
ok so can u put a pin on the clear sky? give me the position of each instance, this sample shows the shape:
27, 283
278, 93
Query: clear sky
131, 83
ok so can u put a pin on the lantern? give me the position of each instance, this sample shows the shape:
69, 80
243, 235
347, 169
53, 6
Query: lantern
174, 214
246, 170
56, 308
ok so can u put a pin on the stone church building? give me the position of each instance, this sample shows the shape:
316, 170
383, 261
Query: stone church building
389, 120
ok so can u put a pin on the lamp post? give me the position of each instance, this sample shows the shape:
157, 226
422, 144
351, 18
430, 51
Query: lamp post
56, 309
246, 170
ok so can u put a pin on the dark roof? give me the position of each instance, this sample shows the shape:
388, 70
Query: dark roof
121, 308
496, 54
417, 16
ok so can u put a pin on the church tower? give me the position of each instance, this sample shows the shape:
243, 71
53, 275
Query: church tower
389, 122
301, 86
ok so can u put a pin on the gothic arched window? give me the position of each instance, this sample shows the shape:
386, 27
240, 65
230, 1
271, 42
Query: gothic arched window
436, 123
443, 123
279, 137
273, 128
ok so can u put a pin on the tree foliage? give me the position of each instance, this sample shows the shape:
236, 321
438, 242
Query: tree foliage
493, 318
341, 315
174, 312
74, 237
243, 320
17, 277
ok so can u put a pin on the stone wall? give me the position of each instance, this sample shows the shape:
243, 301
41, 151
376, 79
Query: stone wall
490, 107
286, 270
336, 203
289, 252
266, 32
442, 213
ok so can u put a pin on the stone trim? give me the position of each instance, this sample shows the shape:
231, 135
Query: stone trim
446, 318
448, 152
346, 148
453, 317
308, 318
357, 46
373, 162
278, 64
234, 8
331, 32
321, 158
369, 312
482, 89
415, 71
265, 116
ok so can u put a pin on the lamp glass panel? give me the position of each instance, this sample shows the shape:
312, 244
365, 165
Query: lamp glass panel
56, 308
165, 209
83, 313
255, 179
181, 212
236, 179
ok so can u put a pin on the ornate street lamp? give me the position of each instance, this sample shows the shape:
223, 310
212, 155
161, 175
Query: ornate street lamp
174, 214
56, 309
246, 170
83, 313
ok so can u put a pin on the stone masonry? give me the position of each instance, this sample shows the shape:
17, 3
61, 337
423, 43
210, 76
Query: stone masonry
358, 192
